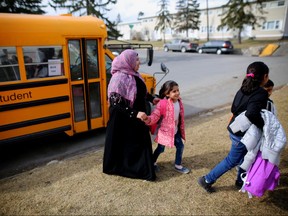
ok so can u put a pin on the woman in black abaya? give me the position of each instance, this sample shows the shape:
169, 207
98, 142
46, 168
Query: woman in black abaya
128, 147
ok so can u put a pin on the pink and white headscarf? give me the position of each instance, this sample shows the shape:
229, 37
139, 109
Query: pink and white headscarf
122, 80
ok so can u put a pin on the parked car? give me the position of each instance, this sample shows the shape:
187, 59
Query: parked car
182, 45
219, 47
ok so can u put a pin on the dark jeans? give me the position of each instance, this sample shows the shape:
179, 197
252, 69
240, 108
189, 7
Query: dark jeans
179, 149
234, 158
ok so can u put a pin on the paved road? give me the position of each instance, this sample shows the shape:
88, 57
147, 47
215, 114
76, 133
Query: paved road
206, 81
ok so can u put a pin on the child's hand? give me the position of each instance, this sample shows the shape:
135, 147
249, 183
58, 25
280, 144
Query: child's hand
142, 116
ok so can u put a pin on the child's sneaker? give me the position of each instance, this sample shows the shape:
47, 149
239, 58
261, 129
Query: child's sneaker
183, 170
239, 184
206, 186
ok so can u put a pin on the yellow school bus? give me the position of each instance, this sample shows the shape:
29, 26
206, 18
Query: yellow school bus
53, 75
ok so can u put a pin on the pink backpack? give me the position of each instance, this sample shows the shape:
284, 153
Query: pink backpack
261, 176
163, 103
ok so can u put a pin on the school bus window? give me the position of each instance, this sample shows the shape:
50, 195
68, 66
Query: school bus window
41, 62
92, 59
108, 64
78, 103
9, 68
29, 67
95, 100
75, 60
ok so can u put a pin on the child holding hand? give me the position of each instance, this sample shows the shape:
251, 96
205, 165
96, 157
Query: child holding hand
171, 130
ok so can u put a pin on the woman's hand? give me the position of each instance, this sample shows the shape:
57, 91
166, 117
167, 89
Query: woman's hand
142, 116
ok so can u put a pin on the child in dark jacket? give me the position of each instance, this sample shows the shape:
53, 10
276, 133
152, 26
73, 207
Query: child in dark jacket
251, 97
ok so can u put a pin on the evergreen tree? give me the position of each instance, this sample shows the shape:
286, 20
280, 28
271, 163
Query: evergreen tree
21, 6
238, 13
187, 16
164, 19
90, 7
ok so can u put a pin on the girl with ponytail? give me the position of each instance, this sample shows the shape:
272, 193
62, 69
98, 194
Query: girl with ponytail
251, 98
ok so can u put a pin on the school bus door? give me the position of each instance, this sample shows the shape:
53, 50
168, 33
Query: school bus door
85, 84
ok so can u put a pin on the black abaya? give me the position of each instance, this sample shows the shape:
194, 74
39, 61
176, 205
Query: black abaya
128, 147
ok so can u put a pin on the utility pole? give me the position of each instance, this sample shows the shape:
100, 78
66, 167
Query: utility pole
207, 11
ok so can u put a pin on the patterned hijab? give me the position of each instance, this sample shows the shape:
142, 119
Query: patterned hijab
122, 81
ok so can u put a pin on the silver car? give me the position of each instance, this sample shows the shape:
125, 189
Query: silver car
182, 45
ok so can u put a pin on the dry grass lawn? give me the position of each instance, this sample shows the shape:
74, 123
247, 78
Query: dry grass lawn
77, 186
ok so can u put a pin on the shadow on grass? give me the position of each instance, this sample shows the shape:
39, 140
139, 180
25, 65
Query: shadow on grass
279, 197
208, 161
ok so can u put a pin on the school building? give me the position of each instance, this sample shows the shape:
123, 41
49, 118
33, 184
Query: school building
275, 25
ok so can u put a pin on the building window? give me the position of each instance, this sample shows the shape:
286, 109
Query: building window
277, 24
211, 29
271, 25
281, 3
273, 4
204, 29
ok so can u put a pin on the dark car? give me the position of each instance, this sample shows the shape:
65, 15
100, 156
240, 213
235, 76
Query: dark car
219, 47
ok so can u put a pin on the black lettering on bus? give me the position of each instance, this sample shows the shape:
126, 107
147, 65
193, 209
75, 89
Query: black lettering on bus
16, 97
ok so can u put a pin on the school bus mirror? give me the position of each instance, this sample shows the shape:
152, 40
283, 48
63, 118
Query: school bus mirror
150, 55
164, 68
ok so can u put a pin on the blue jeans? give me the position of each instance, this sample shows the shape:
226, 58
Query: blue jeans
234, 158
179, 149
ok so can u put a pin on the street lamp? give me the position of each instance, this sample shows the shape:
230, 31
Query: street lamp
207, 20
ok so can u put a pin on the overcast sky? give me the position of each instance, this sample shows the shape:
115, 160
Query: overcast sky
129, 9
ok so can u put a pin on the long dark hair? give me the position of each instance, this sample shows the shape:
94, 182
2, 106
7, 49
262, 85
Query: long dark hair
254, 76
166, 88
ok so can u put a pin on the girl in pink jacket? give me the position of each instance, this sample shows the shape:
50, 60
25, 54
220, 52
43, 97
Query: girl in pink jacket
171, 130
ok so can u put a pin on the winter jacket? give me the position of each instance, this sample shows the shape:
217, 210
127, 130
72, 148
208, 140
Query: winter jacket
270, 142
271, 107
252, 103
274, 139
166, 131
